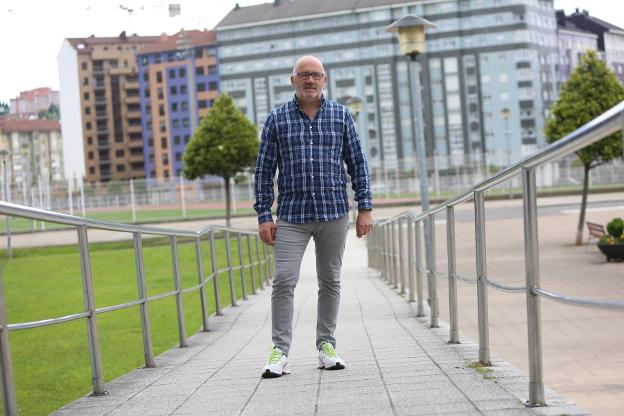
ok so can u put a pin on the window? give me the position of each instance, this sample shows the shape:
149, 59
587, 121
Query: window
176, 140
160, 93
163, 142
88, 125
146, 94
213, 86
121, 168
163, 127
159, 77
174, 107
186, 139
212, 69
161, 109
176, 123
146, 76
90, 155
185, 122
173, 90
87, 110
182, 72
202, 104
172, 73
92, 170
84, 65
85, 95
198, 53
184, 106
119, 153
178, 157
199, 70
89, 140
182, 89
201, 86
85, 81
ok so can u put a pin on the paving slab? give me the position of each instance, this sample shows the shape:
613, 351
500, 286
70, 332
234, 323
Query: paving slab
396, 365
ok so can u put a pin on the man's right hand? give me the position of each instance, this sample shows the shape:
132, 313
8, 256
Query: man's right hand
267, 232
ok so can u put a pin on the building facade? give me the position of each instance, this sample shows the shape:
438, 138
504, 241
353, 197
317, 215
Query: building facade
488, 76
30, 103
580, 32
34, 151
178, 81
101, 107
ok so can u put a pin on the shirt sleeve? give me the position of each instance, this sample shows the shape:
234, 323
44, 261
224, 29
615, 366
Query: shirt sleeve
357, 166
266, 165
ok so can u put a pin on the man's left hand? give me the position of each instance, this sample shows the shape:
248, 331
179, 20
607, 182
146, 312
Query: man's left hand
364, 223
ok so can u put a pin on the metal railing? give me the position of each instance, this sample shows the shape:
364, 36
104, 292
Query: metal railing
387, 251
259, 263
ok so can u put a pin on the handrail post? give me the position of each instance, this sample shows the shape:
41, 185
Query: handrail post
258, 256
178, 291
531, 256
411, 266
401, 258
251, 265
8, 384
395, 257
202, 284
433, 279
482, 298
215, 274
241, 263
143, 307
97, 377
228, 256
419, 277
384, 250
267, 269
452, 283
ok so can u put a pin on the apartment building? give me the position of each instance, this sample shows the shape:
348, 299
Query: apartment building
580, 32
488, 77
178, 81
30, 103
34, 151
101, 107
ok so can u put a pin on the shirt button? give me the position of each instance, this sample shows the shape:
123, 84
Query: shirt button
313, 194
311, 160
312, 176
311, 142
310, 127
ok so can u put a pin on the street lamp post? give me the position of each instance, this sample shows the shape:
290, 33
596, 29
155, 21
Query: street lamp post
505, 112
7, 198
411, 30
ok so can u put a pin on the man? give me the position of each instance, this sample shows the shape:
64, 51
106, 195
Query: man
309, 139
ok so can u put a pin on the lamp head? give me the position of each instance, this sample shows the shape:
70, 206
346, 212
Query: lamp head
411, 30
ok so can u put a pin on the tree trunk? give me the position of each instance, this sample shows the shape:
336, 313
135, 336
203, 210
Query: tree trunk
579, 229
227, 201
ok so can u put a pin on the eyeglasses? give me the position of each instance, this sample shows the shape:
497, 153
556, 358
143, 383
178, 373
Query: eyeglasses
304, 75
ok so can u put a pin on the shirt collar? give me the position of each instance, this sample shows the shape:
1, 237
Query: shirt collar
296, 103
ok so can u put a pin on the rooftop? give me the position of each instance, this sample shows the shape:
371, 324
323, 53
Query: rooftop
284, 9
11, 125
169, 43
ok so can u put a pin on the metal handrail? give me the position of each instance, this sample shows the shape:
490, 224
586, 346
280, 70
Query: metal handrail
260, 261
386, 249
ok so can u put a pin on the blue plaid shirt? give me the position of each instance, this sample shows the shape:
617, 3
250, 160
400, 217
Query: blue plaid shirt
310, 156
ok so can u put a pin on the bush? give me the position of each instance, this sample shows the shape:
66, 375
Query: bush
615, 227
615, 232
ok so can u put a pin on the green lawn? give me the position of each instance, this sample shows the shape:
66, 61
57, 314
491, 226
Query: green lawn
51, 364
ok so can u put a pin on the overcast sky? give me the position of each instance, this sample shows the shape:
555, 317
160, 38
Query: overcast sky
33, 30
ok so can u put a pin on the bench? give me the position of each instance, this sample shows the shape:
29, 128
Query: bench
595, 230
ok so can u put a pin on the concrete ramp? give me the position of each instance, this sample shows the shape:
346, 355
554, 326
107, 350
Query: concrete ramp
396, 365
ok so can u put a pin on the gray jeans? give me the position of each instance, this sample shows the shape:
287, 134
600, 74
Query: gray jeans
290, 243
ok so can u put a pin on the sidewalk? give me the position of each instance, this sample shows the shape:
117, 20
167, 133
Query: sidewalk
395, 364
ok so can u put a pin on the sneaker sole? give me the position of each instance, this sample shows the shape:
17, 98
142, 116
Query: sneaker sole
336, 366
269, 374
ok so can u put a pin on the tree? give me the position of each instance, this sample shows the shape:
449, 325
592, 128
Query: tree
591, 90
225, 143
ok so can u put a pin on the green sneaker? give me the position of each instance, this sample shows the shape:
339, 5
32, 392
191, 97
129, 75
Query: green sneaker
328, 359
276, 364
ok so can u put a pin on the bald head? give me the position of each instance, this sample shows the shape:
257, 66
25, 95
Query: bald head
307, 61
310, 81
